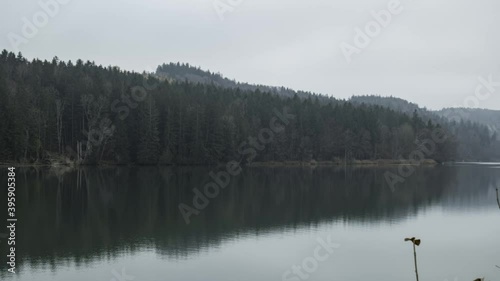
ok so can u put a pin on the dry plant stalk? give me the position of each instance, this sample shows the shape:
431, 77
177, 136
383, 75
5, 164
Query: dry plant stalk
415, 242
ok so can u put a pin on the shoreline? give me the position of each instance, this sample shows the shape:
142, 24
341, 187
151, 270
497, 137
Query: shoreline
353, 163
312, 163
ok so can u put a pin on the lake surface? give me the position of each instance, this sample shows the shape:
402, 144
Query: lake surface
100, 223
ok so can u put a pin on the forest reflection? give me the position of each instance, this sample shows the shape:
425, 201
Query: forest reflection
88, 214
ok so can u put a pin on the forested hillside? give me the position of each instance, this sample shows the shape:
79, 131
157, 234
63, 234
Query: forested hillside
394, 103
489, 118
477, 130
94, 114
186, 72
486, 117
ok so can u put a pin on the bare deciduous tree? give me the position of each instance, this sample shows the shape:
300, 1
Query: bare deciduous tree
99, 128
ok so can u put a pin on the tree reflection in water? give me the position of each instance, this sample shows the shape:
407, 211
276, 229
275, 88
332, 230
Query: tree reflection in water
90, 214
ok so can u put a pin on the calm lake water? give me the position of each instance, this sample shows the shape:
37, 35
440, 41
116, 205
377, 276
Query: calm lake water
94, 223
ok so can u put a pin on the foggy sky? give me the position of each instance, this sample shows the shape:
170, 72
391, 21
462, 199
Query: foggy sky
431, 53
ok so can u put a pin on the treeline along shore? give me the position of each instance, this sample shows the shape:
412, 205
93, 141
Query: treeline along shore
80, 113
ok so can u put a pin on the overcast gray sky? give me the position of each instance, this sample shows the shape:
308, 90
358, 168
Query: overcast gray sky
431, 53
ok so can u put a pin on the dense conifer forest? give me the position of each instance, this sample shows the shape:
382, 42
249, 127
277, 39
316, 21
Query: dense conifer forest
90, 114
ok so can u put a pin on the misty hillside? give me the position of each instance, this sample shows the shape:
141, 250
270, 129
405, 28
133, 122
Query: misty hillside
485, 117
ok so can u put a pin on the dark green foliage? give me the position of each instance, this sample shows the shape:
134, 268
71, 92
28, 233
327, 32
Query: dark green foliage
179, 122
149, 140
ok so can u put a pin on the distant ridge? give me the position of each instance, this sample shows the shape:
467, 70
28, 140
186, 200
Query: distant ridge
187, 72
485, 117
